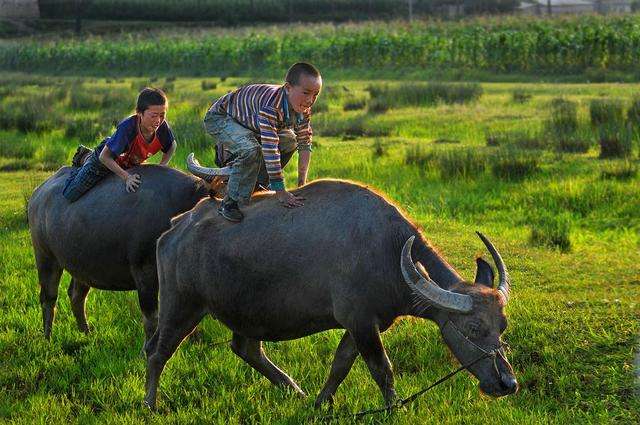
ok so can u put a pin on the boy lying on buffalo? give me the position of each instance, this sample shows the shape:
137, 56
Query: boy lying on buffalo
136, 138
246, 125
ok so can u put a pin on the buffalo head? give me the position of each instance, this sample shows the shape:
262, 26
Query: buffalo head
470, 316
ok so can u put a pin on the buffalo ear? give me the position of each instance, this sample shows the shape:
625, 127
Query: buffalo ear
484, 273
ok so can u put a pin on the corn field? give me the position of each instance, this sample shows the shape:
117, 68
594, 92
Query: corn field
559, 45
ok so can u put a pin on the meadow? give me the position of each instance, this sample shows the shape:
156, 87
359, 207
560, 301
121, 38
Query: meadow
535, 166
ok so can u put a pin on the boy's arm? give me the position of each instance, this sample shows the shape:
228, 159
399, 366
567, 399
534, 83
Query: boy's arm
303, 135
270, 151
166, 156
132, 181
304, 157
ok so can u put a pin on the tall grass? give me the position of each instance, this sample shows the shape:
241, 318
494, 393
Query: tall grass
562, 127
417, 94
558, 45
614, 134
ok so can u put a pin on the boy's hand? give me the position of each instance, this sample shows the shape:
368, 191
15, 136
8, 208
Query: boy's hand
289, 200
132, 182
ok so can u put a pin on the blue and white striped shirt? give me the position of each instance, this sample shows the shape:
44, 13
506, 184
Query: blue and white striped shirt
264, 108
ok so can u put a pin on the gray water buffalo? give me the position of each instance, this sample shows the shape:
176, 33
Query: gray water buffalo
343, 260
106, 239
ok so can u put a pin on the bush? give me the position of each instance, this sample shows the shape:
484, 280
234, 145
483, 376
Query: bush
354, 104
420, 94
208, 85
552, 231
624, 171
615, 140
90, 99
32, 113
351, 127
378, 150
19, 147
633, 114
606, 112
511, 164
87, 129
562, 127
15, 164
416, 155
522, 139
521, 96
50, 156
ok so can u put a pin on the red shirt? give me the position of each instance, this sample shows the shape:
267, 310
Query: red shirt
139, 150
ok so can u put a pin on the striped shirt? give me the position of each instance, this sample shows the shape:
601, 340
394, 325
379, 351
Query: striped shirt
264, 109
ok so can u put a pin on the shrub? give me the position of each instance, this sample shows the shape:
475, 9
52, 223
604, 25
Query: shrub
615, 140
552, 231
517, 138
378, 150
378, 106
521, 96
19, 147
562, 127
354, 104
633, 114
51, 156
606, 112
511, 164
564, 117
208, 85
416, 155
87, 129
15, 164
624, 171
32, 113
417, 94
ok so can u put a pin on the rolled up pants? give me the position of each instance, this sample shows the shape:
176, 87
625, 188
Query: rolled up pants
243, 152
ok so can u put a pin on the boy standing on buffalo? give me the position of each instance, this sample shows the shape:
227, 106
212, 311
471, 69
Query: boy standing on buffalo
136, 139
246, 124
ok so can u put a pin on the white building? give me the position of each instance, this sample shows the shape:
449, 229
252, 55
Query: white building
544, 7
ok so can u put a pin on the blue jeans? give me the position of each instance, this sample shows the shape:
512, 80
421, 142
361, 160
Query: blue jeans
244, 152
84, 178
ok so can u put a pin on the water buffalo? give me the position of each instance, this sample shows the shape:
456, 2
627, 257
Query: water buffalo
344, 260
106, 239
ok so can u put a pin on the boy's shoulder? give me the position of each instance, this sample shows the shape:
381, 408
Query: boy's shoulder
128, 123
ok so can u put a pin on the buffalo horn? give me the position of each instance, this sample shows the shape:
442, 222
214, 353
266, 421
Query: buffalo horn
505, 281
425, 287
205, 173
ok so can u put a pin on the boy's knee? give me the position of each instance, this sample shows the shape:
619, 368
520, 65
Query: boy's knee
71, 194
249, 155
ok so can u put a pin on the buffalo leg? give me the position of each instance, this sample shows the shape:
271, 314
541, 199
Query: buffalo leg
49, 272
178, 321
346, 354
148, 300
250, 350
78, 292
370, 347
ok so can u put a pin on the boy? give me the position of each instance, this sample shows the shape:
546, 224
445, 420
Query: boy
136, 139
245, 125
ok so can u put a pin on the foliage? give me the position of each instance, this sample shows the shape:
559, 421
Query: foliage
552, 231
556, 45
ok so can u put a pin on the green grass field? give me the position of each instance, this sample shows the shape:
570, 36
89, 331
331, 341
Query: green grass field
567, 225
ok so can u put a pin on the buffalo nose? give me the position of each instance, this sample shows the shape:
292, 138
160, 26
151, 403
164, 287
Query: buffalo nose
509, 383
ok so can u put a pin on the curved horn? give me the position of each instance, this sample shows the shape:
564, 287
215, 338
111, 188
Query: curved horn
423, 286
505, 282
204, 172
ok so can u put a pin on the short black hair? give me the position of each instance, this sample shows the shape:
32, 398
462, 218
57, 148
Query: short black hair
298, 69
150, 96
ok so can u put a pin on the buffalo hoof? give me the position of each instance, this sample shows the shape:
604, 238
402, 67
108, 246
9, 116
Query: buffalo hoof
323, 401
151, 405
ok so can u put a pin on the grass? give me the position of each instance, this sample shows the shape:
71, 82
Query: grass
574, 319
